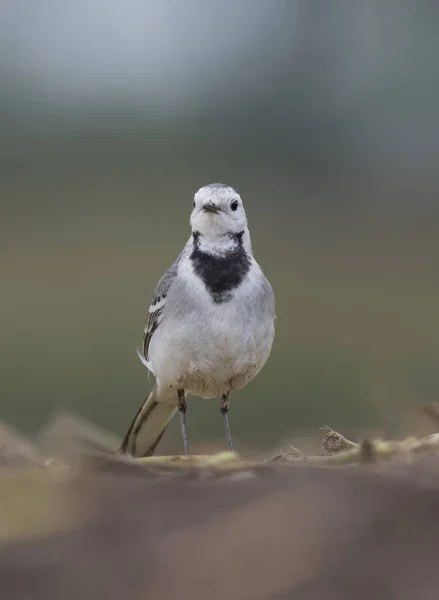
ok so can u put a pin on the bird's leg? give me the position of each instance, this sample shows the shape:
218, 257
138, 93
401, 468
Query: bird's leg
182, 410
224, 408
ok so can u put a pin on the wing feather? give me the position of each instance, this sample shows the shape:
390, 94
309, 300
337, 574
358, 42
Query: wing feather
155, 313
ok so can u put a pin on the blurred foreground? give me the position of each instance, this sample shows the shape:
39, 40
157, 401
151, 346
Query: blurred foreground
88, 525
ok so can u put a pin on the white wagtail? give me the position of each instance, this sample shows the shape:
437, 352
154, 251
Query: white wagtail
210, 326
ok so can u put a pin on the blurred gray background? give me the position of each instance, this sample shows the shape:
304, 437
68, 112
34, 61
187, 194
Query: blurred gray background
323, 115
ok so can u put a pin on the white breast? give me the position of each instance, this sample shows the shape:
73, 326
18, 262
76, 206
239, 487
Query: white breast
209, 349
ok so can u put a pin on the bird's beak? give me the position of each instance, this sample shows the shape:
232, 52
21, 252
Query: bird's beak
211, 208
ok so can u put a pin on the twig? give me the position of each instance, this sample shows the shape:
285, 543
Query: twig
334, 442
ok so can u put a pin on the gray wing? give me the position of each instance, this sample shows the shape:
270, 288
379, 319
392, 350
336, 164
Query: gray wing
157, 306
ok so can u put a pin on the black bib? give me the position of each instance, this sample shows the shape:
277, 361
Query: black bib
221, 274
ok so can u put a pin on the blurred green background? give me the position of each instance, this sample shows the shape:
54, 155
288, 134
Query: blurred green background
323, 115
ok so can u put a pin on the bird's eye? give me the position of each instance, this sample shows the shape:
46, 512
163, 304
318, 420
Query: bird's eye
193, 203
234, 205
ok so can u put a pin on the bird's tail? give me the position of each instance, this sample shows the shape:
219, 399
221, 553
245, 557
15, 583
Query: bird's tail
150, 422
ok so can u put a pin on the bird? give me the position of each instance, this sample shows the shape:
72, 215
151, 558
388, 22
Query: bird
211, 324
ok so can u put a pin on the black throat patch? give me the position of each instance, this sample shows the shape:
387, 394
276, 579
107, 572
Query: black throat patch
221, 274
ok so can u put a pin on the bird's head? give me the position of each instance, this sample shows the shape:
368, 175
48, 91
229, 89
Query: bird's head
218, 212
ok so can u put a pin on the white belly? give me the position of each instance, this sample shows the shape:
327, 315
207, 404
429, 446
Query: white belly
209, 356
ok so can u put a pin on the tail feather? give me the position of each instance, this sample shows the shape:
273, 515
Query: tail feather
149, 424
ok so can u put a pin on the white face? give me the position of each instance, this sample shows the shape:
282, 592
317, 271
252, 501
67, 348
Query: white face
218, 211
